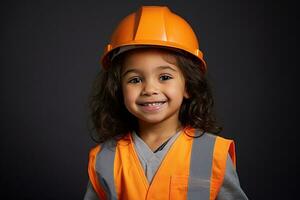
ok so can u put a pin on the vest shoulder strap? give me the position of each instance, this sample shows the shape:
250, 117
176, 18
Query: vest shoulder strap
201, 166
92, 172
221, 149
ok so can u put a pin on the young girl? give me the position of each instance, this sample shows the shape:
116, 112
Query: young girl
152, 111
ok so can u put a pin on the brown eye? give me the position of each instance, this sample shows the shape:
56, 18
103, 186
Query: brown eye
165, 77
135, 80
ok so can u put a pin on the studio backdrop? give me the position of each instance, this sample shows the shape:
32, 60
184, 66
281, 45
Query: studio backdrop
50, 53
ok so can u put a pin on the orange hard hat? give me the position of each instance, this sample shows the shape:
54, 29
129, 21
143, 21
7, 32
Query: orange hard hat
153, 26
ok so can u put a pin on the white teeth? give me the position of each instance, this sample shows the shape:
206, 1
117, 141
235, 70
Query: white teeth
153, 104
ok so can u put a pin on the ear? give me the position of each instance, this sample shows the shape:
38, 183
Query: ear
186, 95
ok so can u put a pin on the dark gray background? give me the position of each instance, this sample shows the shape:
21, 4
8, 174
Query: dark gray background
49, 57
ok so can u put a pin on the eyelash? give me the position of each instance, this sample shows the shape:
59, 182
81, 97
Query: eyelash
164, 77
168, 77
135, 80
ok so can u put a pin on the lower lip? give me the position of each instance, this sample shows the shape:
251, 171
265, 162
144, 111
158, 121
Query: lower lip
153, 108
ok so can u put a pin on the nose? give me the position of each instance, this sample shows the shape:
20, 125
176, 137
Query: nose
150, 88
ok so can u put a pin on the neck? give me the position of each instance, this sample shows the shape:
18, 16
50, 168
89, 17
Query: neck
155, 134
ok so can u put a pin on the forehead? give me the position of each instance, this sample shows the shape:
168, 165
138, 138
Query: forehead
148, 57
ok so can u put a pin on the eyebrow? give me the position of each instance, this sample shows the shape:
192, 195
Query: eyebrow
159, 68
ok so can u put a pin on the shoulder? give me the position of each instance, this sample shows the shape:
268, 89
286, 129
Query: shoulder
94, 151
218, 136
220, 145
220, 140
195, 132
97, 149
207, 135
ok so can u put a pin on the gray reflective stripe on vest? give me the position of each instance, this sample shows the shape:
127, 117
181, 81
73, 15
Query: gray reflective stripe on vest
105, 169
200, 170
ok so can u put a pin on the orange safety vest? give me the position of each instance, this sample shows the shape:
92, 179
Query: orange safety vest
192, 168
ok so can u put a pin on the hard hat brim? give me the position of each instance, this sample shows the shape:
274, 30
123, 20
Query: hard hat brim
110, 53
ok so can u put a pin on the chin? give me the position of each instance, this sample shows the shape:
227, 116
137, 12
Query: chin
153, 120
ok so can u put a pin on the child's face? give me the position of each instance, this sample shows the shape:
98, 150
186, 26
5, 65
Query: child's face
153, 89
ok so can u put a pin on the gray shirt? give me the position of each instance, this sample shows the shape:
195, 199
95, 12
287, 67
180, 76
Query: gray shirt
150, 160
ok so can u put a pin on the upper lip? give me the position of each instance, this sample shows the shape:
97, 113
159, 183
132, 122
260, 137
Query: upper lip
151, 101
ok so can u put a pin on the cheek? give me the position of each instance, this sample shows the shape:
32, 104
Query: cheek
176, 90
175, 94
172, 91
129, 95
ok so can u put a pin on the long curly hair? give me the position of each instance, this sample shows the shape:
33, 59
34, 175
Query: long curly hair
111, 120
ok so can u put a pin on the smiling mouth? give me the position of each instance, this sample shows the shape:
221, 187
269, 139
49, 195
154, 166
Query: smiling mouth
154, 106
156, 103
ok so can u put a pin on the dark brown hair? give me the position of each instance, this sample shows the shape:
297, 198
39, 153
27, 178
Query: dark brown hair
110, 118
